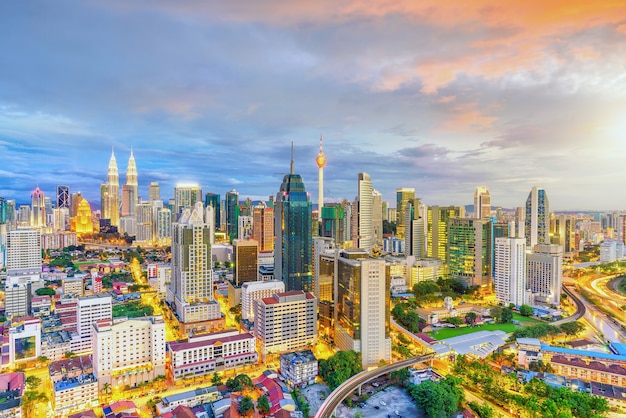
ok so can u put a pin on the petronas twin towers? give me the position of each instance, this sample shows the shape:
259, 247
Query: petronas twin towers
110, 191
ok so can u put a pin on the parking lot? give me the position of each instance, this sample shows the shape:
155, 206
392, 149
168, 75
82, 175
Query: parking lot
388, 402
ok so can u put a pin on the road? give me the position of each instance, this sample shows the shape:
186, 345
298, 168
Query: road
346, 388
580, 308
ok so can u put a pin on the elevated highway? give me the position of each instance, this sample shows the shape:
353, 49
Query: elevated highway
346, 388
580, 308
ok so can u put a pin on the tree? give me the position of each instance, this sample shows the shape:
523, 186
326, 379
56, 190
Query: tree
496, 313
426, 288
337, 369
400, 377
30, 399
263, 405
106, 389
470, 318
455, 320
572, 328
69, 355
45, 291
438, 399
507, 316
216, 380
42, 359
239, 383
525, 310
33, 382
246, 406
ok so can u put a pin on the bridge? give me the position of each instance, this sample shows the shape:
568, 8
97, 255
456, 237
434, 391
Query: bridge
346, 388
580, 308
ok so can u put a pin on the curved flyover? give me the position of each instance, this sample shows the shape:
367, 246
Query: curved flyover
580, 308
346, 388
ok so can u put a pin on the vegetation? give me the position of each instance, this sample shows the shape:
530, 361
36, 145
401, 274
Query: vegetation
340, 367
540, 366
246, 406
455, 320
454, 332
400, 377
45, 291
263, 405
483, 411
239, 383
30, 400
406, 316
64, 260
132, 309
389, 227
470, 318
301, 402
438, 399
525, 310
572, 328
536, 331
216, 380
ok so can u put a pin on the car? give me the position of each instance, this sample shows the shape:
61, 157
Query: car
369, 392
361, 405
375, 384
383, 403
398, 413
376, 407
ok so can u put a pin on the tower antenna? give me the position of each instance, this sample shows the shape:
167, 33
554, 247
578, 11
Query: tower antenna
292, 168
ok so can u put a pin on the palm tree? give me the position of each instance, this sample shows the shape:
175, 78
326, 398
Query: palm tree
106, 389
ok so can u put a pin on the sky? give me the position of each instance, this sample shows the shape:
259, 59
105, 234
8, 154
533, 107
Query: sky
438, 96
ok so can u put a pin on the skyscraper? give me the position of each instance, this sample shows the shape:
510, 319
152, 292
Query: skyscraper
24, 250
293, 231
509, 278
438, 219
415, 232
185, 196
365, 200
482, 203
246, 258
402, 197
132, 183
154, 191
544, 269
470, 250
82, 222
377, 217
263, 226
537, 224
232, 214
112, 209
320, 160
213, 200
63, 197
191, 290
38, 209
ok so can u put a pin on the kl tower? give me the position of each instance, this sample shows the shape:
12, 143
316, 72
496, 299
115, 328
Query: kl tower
321, 162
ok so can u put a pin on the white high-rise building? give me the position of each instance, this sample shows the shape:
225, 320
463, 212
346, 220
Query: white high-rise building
537, 219
365, 200
128, 352
144, 214
186, 196
482, 203
251, 291
191, 289
164, 226
90, 309
24, 251
132, 183
377, 217
112, 208
544, 268
510, 268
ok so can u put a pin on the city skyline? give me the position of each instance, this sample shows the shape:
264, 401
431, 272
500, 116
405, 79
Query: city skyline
214, 94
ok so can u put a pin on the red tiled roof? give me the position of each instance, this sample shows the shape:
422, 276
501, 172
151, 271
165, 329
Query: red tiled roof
593, 365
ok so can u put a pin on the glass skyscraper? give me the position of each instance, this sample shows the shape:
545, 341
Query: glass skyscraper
213, 200
232, 214
537, 223
293, 260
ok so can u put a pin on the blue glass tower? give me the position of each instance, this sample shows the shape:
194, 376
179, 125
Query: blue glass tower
213, 200
293, 229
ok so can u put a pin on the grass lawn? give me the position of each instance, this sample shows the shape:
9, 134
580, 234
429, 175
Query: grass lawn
453, 332
525, 320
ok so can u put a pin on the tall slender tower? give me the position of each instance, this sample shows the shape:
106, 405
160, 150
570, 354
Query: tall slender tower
482, 203
38, 209
132, 183
321, 162
403, 196
365, 202
113, 188
537, 223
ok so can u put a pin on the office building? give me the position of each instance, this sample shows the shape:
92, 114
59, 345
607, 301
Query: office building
293, 232
24, 251
191, 290
299, 368
333, 223
263, 226
565, 232
126, 198
213, 200
365, 200
544, 269
377, 218
425, 269
154, 191
251, 291
362, 306
63, 197
144, 221
232, 214
402, 197
245, 227
38, 209
482, 203
90, 309
415, 229
438, 221
132, 184
185, 196
204, 354
17, 300
128, 352
320, 160
509, 278
246, 258
60, 219
470, 251
537, 218
111, 195
285, 322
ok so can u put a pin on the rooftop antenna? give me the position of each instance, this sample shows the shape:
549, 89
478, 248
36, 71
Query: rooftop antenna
292, 169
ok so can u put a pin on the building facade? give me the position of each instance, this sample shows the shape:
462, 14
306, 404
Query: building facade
470, 251
537, 219
252, 291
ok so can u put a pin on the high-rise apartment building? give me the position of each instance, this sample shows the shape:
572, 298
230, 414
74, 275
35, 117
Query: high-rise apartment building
112, 209
38, 209
191, 289
232, 214
154, 191
402, 197
415, 231
482, 203
251, 291
293, 263
470, 250
213, 200
263, 226
285, 322
126, 198
185, 196
126, 353
90, 309
144, 220
163, 226
509, 278
544, 269
63, 197
246, 258
365, 200
537, 221
362, 306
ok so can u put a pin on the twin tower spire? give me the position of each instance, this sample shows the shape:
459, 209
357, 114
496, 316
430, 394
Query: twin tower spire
110, 191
